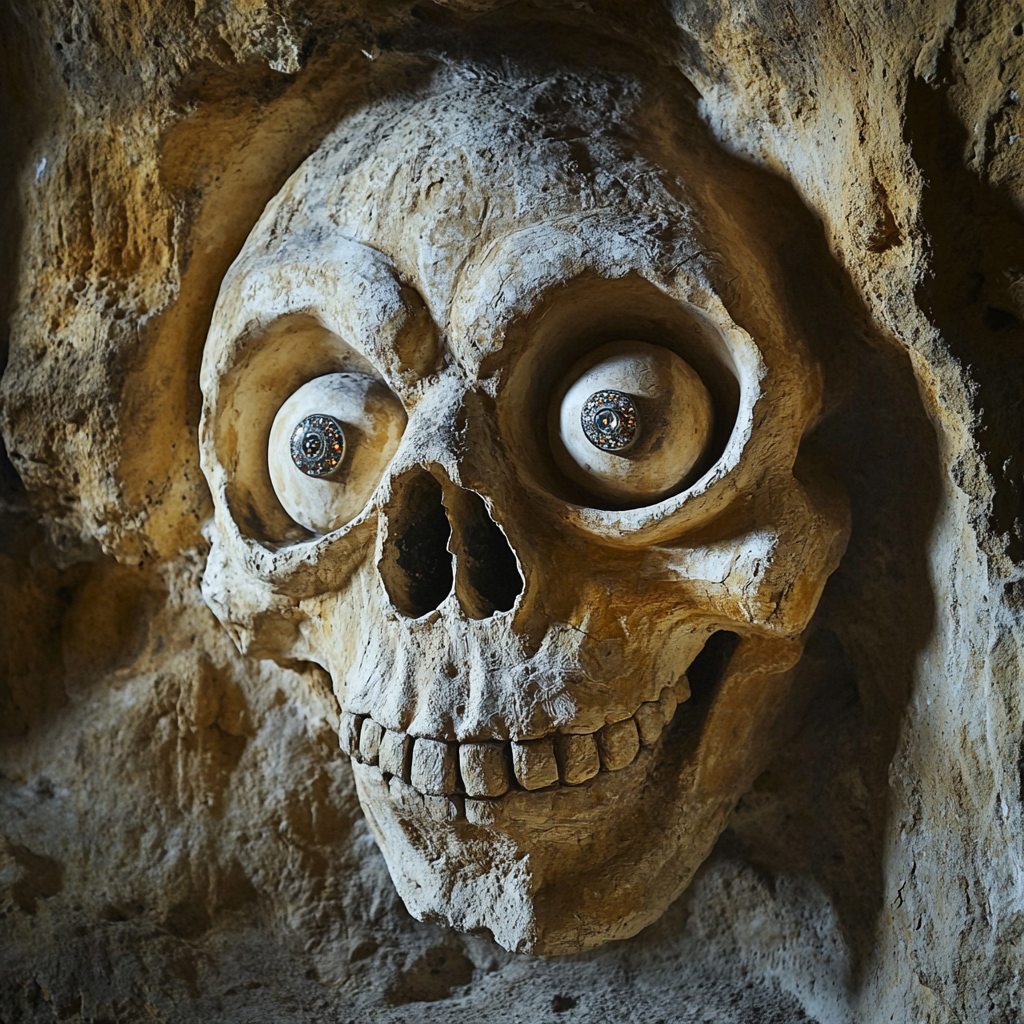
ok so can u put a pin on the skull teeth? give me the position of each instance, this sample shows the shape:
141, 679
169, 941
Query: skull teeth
439, 770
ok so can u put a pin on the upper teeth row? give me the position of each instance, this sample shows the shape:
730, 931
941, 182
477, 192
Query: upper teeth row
491, 769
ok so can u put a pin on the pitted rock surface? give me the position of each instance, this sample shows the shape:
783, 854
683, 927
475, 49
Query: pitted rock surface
181, 834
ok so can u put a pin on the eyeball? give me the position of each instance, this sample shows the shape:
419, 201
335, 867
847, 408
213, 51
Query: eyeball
629, 421
329, 446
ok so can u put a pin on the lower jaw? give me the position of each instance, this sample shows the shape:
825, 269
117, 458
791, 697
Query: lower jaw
551, 871
565, 869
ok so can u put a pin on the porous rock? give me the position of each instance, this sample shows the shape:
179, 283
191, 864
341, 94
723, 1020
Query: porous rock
181, 834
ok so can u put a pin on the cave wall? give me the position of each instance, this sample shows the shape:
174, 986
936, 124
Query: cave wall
181, 838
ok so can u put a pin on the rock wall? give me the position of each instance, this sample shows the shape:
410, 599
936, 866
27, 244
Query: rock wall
181, 838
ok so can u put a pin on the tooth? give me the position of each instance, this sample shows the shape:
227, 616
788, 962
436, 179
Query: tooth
482, 812
484, 769
348, 733
443, 808
649, 722
369, 741
618, 744
405, 797
370, 779
395, 753
534, 763
668, 702
577, 757
433, 767
682, 689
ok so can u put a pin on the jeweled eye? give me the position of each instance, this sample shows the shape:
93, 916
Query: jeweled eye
630, 421
609, 419
318, 445
329, 446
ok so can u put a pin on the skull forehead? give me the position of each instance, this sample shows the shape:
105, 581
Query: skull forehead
445, 182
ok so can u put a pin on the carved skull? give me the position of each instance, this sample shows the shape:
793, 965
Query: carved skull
445, 295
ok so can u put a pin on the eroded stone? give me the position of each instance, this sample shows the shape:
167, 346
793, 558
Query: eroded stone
484, 768
433, 768
533, 762
618, 744
578, 758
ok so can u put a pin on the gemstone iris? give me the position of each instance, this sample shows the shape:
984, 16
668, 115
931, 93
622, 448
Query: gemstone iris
609, 420
318, 445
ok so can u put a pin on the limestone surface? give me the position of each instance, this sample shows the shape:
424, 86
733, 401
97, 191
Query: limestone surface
181, 835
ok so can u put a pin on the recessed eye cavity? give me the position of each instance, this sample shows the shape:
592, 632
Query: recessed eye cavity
629, 421
329, 446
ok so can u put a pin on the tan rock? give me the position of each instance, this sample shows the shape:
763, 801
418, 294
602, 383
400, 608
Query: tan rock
650, 721
484, 769
682, 689
668, 702
533, 762
618, 744
577, 757
816, 209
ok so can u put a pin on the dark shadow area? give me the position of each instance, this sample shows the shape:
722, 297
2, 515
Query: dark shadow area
17, 103
975, 294
877, 611
487, 573
16, 139
416, 566
706, 670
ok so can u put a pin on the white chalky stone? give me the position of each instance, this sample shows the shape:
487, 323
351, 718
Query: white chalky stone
369, 741
395, 751
433, 767
404, 797
674, 414
372, 420
348, 733
443, 808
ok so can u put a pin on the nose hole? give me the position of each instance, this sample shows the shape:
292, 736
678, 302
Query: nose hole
487, 578
708, 668
416, 565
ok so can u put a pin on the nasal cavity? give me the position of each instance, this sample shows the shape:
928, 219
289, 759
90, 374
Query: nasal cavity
416, 565
708, 668
487, 578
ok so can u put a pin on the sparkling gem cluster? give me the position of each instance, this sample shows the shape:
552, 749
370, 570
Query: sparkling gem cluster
318, 445
610, 420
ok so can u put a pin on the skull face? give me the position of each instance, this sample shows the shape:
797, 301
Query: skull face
562, 469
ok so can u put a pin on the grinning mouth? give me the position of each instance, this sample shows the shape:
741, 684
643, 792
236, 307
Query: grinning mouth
490, 770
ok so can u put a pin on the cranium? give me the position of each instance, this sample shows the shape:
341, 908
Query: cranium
509, 626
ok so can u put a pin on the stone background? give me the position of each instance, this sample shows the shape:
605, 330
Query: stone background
180, 837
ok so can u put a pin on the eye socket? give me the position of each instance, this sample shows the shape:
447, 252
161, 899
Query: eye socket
329, 445
629, 421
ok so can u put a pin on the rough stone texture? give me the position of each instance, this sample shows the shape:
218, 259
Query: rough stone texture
479, 591
181, 835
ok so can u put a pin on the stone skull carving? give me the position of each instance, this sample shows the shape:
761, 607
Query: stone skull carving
507, 609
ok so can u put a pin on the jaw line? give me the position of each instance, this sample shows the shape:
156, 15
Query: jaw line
532, 867
567, 868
